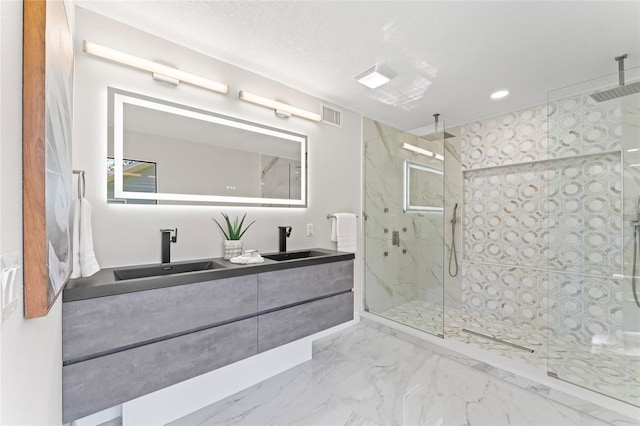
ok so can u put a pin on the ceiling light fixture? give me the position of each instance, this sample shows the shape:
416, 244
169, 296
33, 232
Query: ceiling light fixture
153, 67
499, 94
417, 150
373, 78
280, 108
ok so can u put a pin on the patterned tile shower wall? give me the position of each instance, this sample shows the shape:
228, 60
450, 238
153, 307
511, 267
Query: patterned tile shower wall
542, 191
555, 214
507, 294
512, 138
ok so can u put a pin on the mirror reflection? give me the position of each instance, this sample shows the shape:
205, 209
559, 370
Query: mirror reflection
183, 154
138, 176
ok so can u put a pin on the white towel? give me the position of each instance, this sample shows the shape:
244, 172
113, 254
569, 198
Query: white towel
243, 260
344, 231
84, 259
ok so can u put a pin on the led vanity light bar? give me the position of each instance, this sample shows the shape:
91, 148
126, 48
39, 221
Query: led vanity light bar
152, 67
279, 106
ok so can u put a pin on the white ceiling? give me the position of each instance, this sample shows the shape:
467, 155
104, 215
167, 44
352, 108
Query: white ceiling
448, 56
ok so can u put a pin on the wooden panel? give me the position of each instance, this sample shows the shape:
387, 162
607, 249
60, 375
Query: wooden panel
284, 326
280, 288
33, 128
92, 386
94, 325
47, 113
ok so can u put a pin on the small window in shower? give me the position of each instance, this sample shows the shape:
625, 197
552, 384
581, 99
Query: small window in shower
423, 188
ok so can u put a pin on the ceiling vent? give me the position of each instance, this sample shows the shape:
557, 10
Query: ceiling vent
331, 116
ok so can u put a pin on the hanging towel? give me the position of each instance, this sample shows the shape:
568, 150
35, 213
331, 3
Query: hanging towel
84, 259
344, 231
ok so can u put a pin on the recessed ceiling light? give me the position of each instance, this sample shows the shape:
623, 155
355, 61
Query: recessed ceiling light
373, 77
499, 94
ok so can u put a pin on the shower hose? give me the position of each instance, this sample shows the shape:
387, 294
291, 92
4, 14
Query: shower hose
453, 256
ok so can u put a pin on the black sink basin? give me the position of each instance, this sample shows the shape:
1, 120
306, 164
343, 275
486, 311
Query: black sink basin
291, 255
164, 269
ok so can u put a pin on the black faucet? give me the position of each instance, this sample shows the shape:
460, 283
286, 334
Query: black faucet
284, 232
167, 239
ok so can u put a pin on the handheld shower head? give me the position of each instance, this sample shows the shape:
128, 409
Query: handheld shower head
455, 213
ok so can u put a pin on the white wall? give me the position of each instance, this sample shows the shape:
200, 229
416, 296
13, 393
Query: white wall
30, 354
126, 234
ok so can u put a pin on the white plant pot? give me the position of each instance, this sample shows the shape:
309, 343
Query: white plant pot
232, 248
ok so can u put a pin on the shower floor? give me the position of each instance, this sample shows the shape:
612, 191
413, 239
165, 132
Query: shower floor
427, 316
594, 367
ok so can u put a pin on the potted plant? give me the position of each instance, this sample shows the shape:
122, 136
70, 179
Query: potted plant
234, 231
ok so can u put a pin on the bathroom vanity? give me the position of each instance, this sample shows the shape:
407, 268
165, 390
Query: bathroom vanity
124, 338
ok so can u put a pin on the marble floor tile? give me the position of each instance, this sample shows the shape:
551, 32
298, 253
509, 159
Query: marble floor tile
593, 367
485, 400
290, 398
366, 376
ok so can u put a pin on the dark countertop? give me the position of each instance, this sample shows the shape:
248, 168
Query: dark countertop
103, 283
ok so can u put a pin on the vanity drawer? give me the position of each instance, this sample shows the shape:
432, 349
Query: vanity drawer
280, 288
93, 326
284, 326
100, 383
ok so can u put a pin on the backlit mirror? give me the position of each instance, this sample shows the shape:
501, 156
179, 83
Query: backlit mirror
423, 188
166, 153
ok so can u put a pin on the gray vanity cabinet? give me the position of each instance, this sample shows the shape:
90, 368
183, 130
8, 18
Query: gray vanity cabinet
121, 346
107, 381
286, 325
290, 286
314, 298
94, 326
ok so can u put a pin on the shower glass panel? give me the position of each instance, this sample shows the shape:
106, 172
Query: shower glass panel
593, 191
403, 207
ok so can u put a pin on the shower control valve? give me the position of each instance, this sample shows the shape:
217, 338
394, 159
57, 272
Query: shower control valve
395, 238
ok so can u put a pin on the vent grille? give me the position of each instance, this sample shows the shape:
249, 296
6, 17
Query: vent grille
331, 116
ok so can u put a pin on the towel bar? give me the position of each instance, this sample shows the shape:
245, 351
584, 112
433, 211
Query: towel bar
81, 182
329, 216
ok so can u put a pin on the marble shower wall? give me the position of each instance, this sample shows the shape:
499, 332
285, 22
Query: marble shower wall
542, 194
453, 196
414, 270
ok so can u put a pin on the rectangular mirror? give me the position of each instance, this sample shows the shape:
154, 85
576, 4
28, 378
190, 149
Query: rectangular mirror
194, 156
423, 188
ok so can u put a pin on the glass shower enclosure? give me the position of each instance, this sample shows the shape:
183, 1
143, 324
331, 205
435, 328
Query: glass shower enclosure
404, 226
593, 237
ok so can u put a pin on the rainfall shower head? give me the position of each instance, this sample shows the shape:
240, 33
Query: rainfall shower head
436, 136
621, 90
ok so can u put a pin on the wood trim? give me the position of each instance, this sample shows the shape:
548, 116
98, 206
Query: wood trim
33, 159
